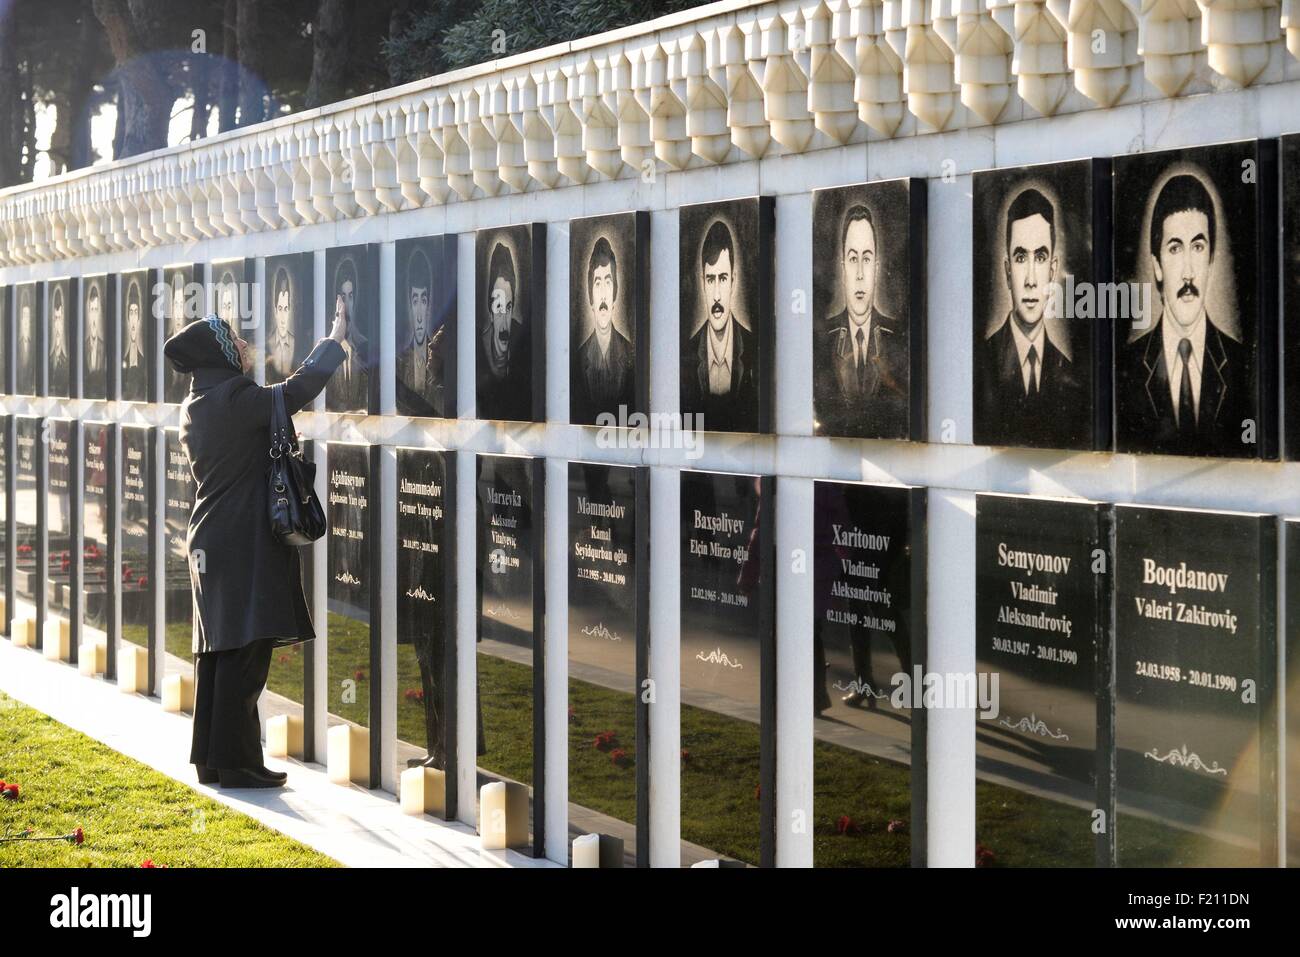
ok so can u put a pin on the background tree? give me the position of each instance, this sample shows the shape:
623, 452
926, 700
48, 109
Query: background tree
247, 60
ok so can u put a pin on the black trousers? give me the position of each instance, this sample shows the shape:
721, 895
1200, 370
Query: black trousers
227, 684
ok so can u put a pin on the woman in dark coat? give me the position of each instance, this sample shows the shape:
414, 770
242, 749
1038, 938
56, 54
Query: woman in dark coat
247, 585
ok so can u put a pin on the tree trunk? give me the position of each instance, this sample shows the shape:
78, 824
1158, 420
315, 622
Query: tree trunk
228, 96
398, 21
201, 77
11, 107
70, 142
329, 60
252, 64
145, 99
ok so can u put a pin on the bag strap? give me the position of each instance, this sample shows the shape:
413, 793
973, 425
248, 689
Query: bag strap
283, 438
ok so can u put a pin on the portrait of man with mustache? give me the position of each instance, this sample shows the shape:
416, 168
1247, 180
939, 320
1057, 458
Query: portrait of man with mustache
1182, 383
605, 359
718, 361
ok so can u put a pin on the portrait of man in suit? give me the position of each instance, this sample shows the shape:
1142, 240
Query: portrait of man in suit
605, 373
1027, 391
25, 373
175, 385
135, 382
860, 381
504, 374
95, 345
280, 338
60, 381
419, 357
348, 390
1183, 382
718, 377
227, 290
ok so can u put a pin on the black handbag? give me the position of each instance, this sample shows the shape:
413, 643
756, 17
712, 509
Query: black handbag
296, 514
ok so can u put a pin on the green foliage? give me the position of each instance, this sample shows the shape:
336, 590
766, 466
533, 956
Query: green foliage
462, 33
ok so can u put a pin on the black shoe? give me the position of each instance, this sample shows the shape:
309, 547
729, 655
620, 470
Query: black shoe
280, 776
206, 774
248, 778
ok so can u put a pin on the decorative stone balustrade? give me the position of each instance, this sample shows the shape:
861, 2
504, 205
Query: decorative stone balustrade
725, 83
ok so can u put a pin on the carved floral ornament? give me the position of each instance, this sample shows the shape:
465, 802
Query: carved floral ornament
724, 83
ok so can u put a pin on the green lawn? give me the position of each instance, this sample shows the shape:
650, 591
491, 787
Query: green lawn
127, 811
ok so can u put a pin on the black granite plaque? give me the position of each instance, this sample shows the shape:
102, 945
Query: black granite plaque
1290, 187
138, 327
98, 536
178, 598
290, 319
1195, 650
728, 668
1198, 229
232, 293
510, 322
352, 273
135, 577
354, 592
1043, 306
6, 342
425, 298
609, 318
182, 302
60, 344
869, 784
28, 506
869, 310
426, 615
98, 336
726, 276
1291, 726
511, 607
1042, 632
63, 588
609, 729
29, 338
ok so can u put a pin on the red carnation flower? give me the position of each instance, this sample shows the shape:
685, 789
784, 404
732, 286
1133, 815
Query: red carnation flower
10, 792
845, 825
618, 757
143, 581
359, 675
78, 837
148, 862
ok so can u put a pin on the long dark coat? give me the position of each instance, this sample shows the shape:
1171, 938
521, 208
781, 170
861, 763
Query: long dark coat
248, 584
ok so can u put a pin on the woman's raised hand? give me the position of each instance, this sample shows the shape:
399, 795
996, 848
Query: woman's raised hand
339, 331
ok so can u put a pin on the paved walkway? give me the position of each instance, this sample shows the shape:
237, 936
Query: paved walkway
356, 827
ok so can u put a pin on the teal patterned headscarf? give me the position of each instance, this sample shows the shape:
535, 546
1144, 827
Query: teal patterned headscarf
206, 343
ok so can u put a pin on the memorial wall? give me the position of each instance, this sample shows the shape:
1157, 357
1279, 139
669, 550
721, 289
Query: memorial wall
903, 492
